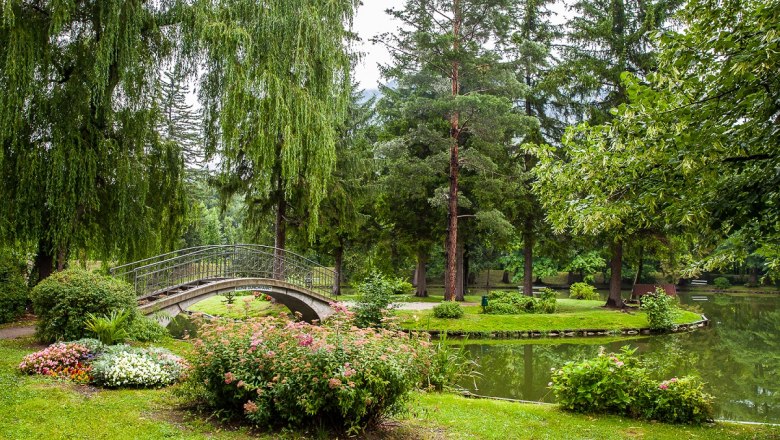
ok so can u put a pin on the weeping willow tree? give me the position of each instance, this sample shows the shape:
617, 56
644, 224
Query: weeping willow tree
82, 165
275, 89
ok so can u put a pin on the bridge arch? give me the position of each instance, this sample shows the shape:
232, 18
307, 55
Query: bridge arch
174, 281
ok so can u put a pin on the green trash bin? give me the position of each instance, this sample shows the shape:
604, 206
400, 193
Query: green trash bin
484, 301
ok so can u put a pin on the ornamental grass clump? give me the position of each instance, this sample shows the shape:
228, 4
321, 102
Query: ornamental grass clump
277, 373
618, 383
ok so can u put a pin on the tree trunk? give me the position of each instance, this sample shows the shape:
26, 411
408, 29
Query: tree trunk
615, 299
753, 276
43, 264
279, 239
505, 277
422, 286
638, 277
338, 256
452, 239
460, 290
528, 264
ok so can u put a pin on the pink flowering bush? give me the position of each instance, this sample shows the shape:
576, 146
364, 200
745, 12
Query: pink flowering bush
59, 360
279, 373
620, 384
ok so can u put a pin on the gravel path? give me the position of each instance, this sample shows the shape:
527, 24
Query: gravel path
425, 305
17, 332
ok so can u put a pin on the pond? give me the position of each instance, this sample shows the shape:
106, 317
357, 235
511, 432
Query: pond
738, 356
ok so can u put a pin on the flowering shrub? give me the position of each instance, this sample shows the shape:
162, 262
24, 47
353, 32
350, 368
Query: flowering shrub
600, 385
681, 401
448, 309
59, 360
125, 366
281, 373
620, 384
583, 291
661, 309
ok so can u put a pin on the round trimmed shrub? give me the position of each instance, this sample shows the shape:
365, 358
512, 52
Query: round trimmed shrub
721, 283
63, 300
448, 310
583, 291
13, 289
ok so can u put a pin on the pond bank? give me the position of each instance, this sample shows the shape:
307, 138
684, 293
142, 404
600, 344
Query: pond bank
572, 333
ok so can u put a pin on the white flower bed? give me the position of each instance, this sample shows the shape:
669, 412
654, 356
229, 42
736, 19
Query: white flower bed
124, 366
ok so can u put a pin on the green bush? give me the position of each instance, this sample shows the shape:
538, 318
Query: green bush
63, 300
583, 291
620, 384
661, 309
514, 303
278, 373
375, 295
13, 289
143, 329
399, 286
722, 283
449, 310
547, 302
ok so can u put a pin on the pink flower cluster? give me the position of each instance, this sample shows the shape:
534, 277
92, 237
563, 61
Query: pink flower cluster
665, 384
54, 359
618, 362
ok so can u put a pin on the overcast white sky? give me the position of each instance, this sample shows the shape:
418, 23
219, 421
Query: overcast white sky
370, 21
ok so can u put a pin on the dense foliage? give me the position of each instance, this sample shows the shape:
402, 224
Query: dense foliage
13, 289
583, 291
278, 373
375, 296
620, 384
661, 309
449, 310
513, 303
63, 301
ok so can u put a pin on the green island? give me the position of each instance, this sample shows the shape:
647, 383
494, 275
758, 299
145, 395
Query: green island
571, 315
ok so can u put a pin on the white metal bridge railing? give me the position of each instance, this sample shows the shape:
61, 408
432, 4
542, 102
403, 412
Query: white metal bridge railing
178, 268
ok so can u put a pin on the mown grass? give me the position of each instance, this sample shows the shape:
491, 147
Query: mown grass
243, 307
571, 315
35, 407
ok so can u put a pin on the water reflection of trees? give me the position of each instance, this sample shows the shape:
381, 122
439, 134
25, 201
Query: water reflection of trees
738, 357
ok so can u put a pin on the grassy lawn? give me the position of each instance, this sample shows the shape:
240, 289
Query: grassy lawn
35, 407
243, 307
572, 314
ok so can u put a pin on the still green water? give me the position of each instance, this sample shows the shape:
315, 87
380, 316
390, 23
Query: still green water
738, 356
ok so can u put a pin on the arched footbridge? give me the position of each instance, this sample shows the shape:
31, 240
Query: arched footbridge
172, 282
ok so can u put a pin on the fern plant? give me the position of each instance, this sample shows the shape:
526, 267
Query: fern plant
110, 329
